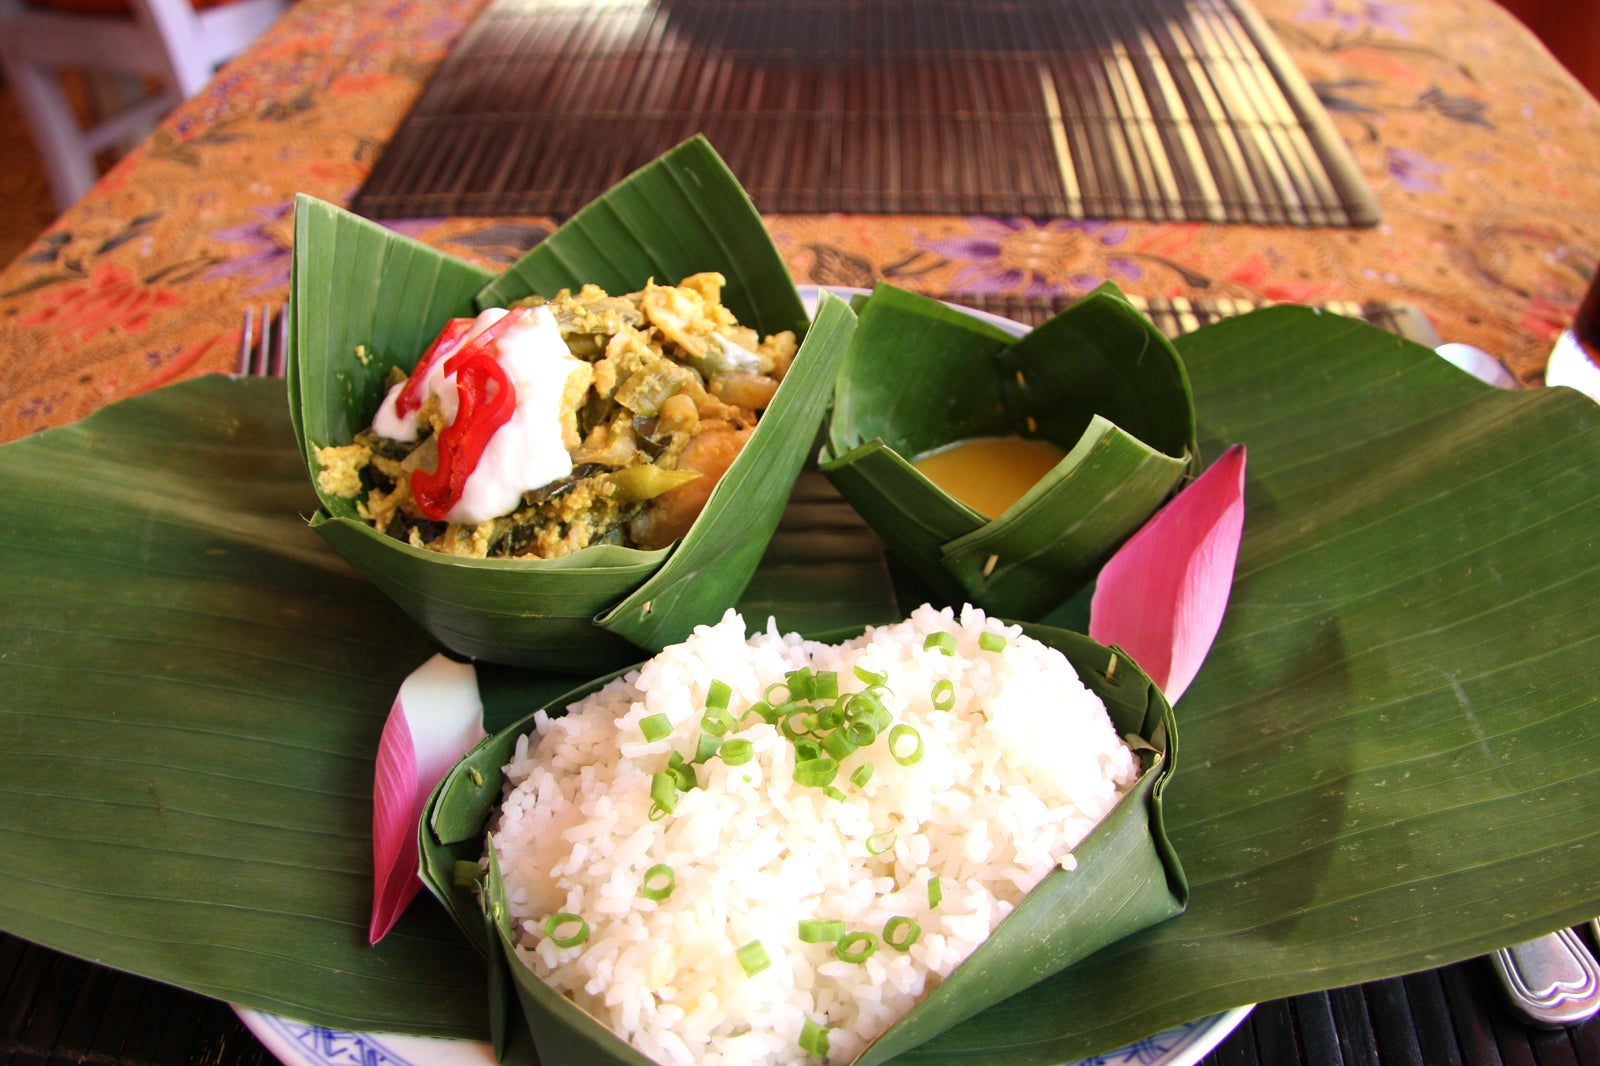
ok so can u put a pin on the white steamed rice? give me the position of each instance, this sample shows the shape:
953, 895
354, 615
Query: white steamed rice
1011, 778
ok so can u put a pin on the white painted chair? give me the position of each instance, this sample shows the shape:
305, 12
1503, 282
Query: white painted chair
171, 40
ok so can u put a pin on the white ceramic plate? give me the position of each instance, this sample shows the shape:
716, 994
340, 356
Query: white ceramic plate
301, 1044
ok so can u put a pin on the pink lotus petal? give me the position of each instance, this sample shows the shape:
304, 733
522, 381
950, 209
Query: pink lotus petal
436, 716
1161, 597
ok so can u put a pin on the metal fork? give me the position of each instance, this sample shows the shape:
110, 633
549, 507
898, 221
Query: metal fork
263, 342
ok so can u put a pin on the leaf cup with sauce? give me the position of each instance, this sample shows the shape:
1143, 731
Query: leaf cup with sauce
365, 299
1098, 380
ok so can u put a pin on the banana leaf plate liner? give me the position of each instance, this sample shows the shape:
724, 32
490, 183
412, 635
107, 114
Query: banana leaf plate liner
1099, 380
1127, 878
192, 686
365, 299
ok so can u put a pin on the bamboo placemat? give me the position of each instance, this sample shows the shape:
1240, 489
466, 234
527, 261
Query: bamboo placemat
1180, 315
1164, 110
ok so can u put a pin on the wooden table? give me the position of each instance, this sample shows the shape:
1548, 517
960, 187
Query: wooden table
1483, 154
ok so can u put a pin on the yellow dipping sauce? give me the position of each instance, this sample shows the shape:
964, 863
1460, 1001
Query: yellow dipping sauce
989, 474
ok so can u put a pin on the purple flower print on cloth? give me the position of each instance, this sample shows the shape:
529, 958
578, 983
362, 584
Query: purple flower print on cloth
268, 255
1354, 16
1031, 257
1413, 171
269, 249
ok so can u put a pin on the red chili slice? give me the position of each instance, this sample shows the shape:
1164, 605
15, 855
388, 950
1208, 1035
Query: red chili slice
487, 401
410, 397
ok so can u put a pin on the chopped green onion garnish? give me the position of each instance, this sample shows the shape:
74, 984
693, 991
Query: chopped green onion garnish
664, 790
901, 932
825, 685
833, 793
655, 727
658, 882
717, 696
945, 642
944, 694
814, 1039
838, 743
862, 775
878, 843
564, 921
718, 721
801, 682
761, 709
901, 754
861, 732
736, 751
991, 641
816, 772
869, 677
806, 749
797, 723
706, 746
820, 930
935, 892
683, 774
753, 957
855, 947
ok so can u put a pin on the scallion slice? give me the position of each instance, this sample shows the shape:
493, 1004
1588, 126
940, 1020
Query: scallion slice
658, 883
898, 749
945, 642
943, 695
664, 790
839, 744
856, 947
706, 747
801, 682
753, 957
683, 774
935, 892
717, 721
901, 932
761, 709
717, 696
817, 772
655, 727
814, 1039
736, 751
833, 793
825, 685
862, 775
991, 641
563, 920
878, 843
820, 930
870, 677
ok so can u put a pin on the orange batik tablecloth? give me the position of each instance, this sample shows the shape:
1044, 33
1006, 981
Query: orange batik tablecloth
1483, 153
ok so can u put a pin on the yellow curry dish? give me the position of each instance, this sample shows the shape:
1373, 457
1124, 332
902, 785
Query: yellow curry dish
539, 429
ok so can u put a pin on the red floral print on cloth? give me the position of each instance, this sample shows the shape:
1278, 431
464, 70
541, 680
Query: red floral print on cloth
111, 298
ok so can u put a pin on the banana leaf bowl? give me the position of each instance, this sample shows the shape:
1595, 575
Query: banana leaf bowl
1099, 380
365, 299
1127, 878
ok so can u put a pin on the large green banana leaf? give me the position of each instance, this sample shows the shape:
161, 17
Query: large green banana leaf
1389, 759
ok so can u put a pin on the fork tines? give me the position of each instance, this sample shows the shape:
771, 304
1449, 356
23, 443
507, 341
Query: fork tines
263, 340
